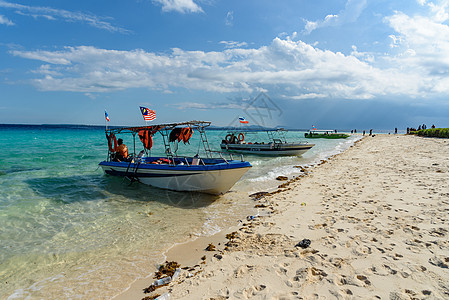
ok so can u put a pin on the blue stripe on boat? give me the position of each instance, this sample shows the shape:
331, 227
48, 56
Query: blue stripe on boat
232, 164
131, 173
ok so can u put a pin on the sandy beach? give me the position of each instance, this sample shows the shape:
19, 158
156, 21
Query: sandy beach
376, 217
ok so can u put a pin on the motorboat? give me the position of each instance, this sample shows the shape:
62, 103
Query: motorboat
277, 145
199, 173
325, 134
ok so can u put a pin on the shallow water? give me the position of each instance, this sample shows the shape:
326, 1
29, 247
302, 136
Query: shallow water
70, 231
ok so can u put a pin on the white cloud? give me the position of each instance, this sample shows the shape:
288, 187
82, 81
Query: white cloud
207, 106
438, 10
4, 20
422, 44
182, 6
229, 21
364, 56
306, 96
60, 14
350, 14
283, 65
233, 44
46, 70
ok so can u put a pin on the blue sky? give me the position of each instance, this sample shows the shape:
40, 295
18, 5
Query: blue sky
333, 64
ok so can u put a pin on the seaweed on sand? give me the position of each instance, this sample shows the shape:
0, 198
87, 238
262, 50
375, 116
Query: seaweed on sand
166, 269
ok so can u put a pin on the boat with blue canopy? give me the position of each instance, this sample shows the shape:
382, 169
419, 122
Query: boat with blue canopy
210, 173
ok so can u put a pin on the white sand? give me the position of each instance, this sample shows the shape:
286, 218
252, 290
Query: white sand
376, 215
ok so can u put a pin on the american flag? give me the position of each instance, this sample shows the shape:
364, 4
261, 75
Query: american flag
148, 114
106, 116
243, 120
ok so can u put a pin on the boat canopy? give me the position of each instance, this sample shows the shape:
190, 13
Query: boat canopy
276, 135
155, 128
171, 133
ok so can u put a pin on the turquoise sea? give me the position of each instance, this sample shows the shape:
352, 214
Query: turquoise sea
69, 231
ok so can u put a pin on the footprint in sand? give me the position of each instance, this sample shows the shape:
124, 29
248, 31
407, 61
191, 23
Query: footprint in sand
364, 279
252, 291
383, 270
362, 250
242, 270
280, 270
438, 232
342, 294
359, 280
219, 298
309, 274
440, 261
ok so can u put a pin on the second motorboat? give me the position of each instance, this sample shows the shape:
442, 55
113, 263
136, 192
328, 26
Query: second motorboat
277, 144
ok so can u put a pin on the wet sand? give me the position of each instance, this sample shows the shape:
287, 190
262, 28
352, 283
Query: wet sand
376, 217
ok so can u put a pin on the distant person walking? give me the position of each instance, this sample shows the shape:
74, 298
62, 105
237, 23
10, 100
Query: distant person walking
396, 130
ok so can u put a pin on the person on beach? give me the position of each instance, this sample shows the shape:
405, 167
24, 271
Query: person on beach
122, 151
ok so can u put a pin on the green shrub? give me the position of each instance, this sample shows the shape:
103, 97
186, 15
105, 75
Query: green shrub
433, 132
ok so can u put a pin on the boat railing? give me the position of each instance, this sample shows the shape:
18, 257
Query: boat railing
230, 156
170, 147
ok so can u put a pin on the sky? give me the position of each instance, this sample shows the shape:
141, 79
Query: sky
332, 64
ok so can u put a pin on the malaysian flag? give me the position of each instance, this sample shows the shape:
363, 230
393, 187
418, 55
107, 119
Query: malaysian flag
148, 114
106, 116
243, 120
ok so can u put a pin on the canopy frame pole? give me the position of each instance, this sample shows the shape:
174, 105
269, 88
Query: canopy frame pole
134, 144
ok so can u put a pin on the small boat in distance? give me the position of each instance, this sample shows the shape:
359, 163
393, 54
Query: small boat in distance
277, 145
325, 134
180, 173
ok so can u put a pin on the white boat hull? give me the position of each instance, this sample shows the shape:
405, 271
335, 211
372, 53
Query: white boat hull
284, 149
181, 178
